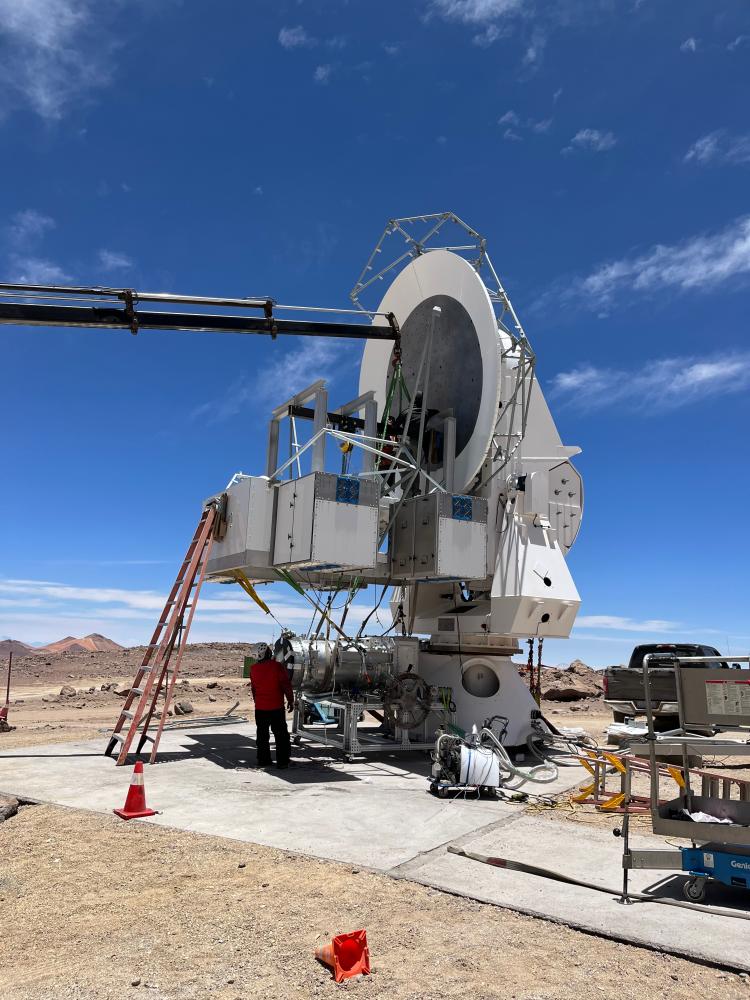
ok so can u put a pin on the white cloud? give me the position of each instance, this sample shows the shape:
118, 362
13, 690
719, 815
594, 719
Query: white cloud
476, 11
294, 369
667, 383
619, 624
258, 190
689, 45
488, 36
512, 120
703, 262
296, 38
534, 53
113, 260
337, 42
720, 147
557, 95
54, 53
591, 140
541, 126
391, 48
441, 139
36, 271
739, 41
28, 227
41, 610
322, 73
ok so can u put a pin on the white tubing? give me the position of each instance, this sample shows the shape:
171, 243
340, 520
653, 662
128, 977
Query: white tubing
535, 774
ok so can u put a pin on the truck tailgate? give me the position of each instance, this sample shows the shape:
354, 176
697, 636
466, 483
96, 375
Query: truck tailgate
626, 684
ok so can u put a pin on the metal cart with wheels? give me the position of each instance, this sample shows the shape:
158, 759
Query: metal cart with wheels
717, 820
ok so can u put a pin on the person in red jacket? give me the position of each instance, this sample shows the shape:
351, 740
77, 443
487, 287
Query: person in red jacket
270, 685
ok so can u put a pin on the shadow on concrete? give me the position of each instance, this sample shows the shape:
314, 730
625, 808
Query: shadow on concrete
310, 763
717, 894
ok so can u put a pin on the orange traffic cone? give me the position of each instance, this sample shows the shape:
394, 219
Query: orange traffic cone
135, 804
347, 954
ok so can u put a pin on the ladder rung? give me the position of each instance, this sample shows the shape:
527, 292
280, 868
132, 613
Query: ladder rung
127, 714
118, 736
135, 690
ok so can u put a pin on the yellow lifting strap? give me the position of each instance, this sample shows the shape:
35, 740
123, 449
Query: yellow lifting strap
676, 774
250, 590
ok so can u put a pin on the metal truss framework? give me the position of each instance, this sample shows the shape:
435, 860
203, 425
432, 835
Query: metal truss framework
510, 426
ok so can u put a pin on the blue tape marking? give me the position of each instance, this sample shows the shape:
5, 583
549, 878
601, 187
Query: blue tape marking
347, 489
461, 508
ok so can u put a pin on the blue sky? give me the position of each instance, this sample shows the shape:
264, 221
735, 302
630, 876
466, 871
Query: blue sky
603, 148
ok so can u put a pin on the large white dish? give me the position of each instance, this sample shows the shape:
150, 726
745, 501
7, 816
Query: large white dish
467, 343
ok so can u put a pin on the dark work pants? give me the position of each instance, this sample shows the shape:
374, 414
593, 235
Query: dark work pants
274, 719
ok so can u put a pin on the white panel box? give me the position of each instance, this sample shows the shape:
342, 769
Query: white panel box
247, 543
533, 593
326, 521
440, 536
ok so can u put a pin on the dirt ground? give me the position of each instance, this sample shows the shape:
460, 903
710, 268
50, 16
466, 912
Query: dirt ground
42, 715
92, 906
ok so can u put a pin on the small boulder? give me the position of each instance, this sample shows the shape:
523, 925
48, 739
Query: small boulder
212, 697
183, 707
573, 683
66, 691
212, 684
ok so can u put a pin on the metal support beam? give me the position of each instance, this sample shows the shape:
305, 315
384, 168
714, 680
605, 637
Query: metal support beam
371, 427
319, 423
113, 318
272, 460
449, 453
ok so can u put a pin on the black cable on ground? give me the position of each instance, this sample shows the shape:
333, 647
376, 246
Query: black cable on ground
641, 897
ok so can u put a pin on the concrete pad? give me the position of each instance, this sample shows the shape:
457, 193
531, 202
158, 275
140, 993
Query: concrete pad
595, 856
374, 813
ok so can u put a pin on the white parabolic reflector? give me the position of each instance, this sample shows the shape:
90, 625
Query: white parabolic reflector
465, 365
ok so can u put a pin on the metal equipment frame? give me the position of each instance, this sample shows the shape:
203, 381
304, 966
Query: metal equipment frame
685, 746
348, 736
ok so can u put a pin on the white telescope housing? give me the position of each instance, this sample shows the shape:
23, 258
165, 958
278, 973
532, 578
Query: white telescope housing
458, 491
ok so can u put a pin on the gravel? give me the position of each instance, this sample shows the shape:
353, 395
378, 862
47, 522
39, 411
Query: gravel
91, 905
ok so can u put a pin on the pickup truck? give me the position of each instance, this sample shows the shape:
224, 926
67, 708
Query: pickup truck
623, 686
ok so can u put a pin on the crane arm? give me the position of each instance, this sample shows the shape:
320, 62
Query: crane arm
121, 309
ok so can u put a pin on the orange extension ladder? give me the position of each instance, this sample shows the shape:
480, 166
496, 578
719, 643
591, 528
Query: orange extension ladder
170, 635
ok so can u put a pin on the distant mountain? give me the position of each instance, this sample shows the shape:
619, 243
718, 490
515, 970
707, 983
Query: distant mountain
16, 647
93, 643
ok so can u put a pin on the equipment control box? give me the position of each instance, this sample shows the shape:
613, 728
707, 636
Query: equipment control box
247, 542
440, 536
325, 521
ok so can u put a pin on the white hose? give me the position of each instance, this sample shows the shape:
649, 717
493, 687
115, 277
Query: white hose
541, 774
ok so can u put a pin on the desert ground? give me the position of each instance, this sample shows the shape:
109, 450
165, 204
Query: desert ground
94, 908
